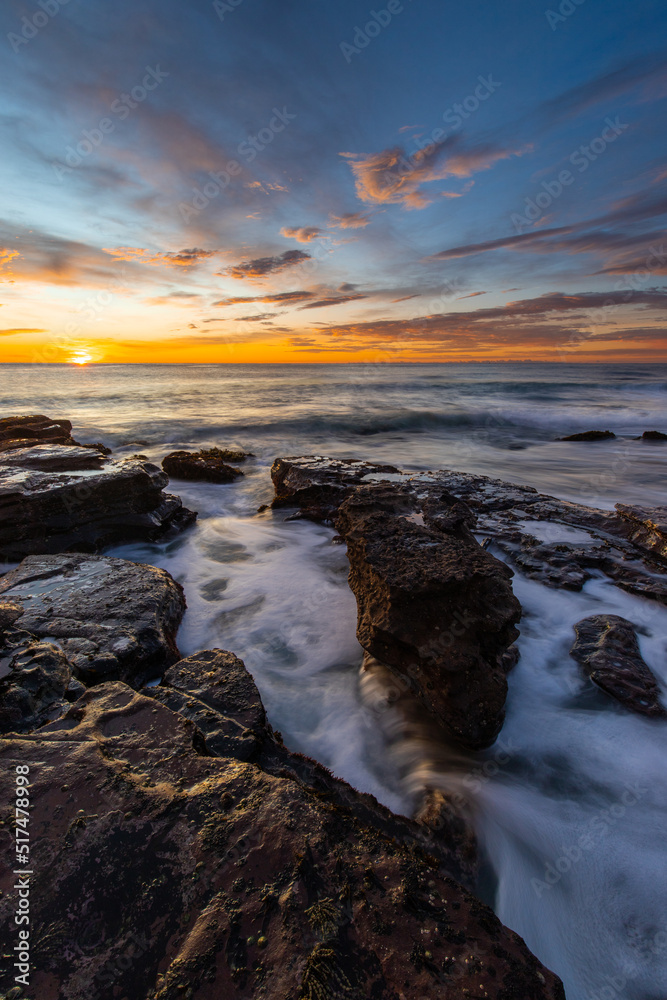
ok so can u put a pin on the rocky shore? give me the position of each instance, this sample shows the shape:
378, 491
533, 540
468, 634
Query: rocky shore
181, 850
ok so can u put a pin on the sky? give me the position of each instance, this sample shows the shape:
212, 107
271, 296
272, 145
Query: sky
312, 181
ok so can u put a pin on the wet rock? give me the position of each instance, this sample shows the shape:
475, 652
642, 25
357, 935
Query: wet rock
215, 691
319, 485
10, 611
653, 436
35, 429
43, 511
209, 466
34, 690
589, 436
112, 618
606, 646
228, 881
54, 458
432, 603
647, 526
30, 429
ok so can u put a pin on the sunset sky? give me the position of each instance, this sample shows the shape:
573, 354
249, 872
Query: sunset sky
302, 180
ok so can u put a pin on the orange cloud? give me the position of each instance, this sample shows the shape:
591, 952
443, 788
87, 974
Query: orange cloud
303, 234
394, 177
351, 220
180, 258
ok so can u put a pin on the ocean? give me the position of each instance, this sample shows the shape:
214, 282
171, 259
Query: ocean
275, 593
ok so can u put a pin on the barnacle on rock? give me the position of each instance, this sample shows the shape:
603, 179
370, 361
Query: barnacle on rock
324, 979
324, 918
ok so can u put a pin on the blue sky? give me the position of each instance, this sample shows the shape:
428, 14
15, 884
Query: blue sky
304, 180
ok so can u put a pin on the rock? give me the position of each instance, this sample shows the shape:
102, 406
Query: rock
24, 431
27, 431
35, 688
589, 436
42, 511
648, 528
215, 690
208, 877
10, 611
54, 458
432, 604
112, 618
607, 648
585, 539
652, 436
319, 485
203, 466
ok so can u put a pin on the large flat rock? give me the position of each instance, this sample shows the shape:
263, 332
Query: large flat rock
57, 511
163, 872
112, 618
29, 429
54, 458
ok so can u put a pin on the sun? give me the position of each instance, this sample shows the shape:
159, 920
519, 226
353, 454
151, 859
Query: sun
80, 358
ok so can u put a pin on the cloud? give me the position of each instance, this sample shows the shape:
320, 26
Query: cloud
7, 255
393, 177
472, 295
646, 73
254, 270
334, 300
43, 257
24, 329
173, 298
256, 318
526, 325
303, 234
600, 235
351, 220
180, 258
279, 298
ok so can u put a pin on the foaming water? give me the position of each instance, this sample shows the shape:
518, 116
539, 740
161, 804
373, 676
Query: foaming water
570, 763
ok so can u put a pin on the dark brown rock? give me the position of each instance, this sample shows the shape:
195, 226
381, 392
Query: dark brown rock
607, 648
215, 691
34, 690
432, 604
653, 436
112, 618
43, 511
589, 436
319, 485
21, 432
30, 429
208, 466
54, 458
167, 874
